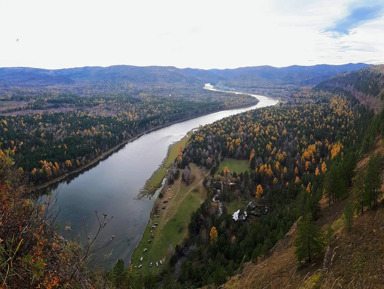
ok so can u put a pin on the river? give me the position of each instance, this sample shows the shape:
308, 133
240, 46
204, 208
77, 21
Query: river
113, 185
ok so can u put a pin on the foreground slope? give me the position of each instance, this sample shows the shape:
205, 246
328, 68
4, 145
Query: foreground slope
353, 260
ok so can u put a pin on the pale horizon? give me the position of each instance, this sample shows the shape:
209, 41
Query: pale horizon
207, 69
53, 34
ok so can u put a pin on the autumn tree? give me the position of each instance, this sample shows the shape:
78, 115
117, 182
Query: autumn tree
259, 191
213, 235
32, 255
68, 163
323, 167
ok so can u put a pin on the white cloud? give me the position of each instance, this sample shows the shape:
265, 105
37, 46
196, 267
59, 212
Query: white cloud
206, 34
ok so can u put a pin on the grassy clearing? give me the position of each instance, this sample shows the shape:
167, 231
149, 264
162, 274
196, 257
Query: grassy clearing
234, 205
234, 165
155, 181
172, 222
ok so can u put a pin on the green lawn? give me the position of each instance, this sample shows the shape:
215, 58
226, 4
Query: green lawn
234, 205
234, 165
172, 223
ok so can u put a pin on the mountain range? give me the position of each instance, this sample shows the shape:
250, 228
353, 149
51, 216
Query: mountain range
154, 76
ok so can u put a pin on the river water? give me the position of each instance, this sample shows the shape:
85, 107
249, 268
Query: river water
112, 186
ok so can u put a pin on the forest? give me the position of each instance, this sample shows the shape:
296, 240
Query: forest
297, 154
54, 134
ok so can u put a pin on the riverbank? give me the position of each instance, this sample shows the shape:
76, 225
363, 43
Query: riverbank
114, 149
157, 177
168, 227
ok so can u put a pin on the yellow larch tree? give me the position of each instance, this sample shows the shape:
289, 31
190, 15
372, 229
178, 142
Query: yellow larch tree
259, 191
323, 167
213, 235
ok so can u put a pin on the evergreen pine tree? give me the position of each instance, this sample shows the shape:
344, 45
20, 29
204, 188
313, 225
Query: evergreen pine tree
335, 183
372, 181
309, 240
118, 274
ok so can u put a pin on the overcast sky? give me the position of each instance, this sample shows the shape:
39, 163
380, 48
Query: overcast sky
194, 33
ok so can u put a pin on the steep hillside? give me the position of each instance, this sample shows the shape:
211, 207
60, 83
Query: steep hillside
353, 260
367, 85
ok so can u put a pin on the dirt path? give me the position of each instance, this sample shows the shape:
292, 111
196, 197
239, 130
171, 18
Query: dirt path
200, 182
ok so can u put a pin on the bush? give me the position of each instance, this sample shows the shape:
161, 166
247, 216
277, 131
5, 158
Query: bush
32, 255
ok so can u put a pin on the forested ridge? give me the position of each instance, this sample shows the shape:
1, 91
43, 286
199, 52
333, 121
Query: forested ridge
366, 85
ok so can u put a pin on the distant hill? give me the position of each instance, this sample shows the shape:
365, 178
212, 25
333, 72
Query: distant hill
291, 75
367, 85
92, 75
119, 77
32, 77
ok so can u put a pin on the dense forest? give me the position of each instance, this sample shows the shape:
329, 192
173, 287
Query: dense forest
47, 145
296, 154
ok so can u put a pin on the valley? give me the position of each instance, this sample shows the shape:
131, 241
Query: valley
272, 164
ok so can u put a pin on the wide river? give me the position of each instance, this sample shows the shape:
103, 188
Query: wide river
113, 185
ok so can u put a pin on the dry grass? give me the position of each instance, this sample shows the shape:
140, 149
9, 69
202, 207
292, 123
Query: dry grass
357, 261
379, 149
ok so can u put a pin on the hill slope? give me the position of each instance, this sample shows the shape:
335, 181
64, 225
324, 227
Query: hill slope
291, 75
367, 85
354, 259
